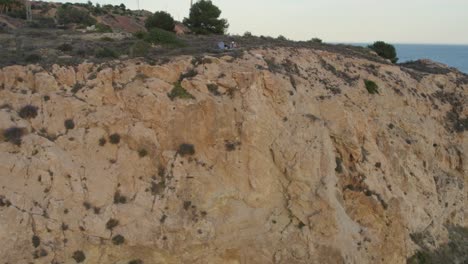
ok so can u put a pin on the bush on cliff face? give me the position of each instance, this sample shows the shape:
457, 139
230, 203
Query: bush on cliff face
371, 87
179, 92
160, 19
14, 135
28, 112
385, 50
204, 19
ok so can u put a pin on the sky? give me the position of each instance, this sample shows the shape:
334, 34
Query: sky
345, 21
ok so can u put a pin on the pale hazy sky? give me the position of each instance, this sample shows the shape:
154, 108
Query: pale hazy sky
394, 21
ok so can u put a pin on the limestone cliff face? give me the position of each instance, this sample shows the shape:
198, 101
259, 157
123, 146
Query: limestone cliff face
278, 156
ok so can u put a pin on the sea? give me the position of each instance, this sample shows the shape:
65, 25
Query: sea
452, 55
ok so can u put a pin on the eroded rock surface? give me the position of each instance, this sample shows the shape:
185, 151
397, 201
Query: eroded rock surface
279, 156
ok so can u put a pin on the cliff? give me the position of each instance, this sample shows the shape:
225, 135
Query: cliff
283, 155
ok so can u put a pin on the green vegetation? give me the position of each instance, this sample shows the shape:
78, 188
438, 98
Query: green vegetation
69, 124
67, 14
14, 135
179, 92
112, 223
160, 19
142, 153
455, 251
163, 37
204, 19
28, 112
140, 49
114, 138
65, 47
118, 240
186, 149
33, 58
106, 53
371, 87
316, 40
385, 50
213, 88
102, 28
79, 256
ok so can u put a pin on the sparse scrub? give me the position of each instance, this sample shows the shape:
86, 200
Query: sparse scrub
371, 87
28, 112
67, 14
139, 34
103, 28
186, 149
179, 92
119, 198
33, 58
213, 88
106, 53
140, 49
65, 47
187, 75
107, 39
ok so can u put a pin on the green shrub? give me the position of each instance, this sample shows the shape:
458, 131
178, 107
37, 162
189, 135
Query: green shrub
213, 88
28, 112
114, 138
140, 49
162, 37
118, 240
204, 19
316, 40
69, 124
65, 47
33, 58
385, 50
14, 135
107, 39
160, 19
102, 28
106, 53
371, 87
112, 223
186, 149
79, 256
68, 14
179, 92
282, 38
142, 153
140, 34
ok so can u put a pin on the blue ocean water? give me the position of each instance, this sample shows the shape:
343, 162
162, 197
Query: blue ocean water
452, 55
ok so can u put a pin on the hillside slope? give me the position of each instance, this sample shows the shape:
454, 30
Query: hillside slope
278, 156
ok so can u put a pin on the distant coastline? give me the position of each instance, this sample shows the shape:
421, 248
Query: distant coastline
455, 55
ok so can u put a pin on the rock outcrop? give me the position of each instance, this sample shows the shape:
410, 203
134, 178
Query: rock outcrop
278, 156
